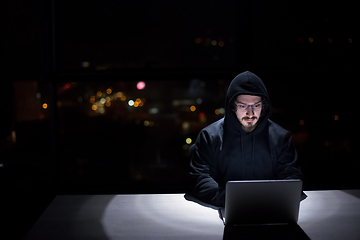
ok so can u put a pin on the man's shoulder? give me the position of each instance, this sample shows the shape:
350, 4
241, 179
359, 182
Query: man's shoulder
215, 125
275, 130
214, 128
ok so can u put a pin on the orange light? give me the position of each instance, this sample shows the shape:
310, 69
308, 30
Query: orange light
45, 106
192, 108
302, 122
311, 40
198, 40
217, 111
336, 117
108, 91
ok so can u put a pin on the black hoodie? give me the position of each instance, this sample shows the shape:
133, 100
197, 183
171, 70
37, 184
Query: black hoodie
223, 151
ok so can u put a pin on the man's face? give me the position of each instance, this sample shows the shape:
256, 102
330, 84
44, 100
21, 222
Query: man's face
248, 115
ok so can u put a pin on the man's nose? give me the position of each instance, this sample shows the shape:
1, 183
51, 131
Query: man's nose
250, 111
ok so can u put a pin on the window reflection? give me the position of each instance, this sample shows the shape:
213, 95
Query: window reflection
132, 132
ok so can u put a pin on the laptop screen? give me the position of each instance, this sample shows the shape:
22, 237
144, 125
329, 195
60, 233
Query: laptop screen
262, 201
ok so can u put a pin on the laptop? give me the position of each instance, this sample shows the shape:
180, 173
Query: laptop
262, 202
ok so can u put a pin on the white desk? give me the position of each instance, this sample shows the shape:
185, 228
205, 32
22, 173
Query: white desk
323, 215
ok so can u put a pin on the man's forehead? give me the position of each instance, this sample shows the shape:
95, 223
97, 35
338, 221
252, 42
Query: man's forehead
248, 99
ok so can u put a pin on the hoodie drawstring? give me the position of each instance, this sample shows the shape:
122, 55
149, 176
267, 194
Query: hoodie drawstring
253, 156
242, 156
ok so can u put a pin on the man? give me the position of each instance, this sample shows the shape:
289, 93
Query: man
244, 145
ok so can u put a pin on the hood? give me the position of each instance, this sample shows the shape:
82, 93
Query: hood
246, 83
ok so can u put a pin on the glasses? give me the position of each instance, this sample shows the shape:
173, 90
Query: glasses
244, 107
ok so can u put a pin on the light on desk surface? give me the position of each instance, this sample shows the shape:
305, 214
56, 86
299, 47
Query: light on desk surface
160, 213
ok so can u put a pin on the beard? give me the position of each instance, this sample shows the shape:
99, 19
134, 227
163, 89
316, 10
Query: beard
249, 126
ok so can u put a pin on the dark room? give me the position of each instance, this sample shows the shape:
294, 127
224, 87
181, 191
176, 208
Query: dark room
104, 100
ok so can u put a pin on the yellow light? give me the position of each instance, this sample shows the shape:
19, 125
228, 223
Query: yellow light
336, 117
217, 111
45, 106
136, 104
192, 108
108, 91
188, 141
99, 93
92, 99
101, 110
13, 136
108, 104
94, 107
146, 123
213, 42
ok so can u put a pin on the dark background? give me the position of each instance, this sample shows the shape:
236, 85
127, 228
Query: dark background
75, 55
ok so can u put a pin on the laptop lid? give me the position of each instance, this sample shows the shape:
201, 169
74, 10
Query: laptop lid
262, 202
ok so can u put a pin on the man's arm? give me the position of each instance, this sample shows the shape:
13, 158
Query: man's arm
203, 171
287, 166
